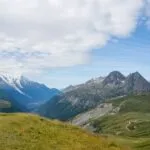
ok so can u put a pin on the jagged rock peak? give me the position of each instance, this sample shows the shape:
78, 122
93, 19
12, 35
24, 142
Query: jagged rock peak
136, 75
135, 82
114, 77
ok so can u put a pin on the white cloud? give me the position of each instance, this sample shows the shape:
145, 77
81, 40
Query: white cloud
40, 34
147, 12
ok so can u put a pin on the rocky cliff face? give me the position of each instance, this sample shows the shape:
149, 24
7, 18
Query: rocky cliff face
135, 83
114, 78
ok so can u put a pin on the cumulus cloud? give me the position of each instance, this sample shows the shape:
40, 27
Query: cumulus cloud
40, 34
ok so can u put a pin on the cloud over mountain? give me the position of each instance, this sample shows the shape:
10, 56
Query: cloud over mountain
41, 34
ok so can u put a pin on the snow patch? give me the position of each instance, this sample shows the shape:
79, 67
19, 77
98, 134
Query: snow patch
14, 82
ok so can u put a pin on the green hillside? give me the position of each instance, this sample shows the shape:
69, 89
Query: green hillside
128, 124
129, 128
7, 104
4, 104
137, 103
29, 132
131, 125
7, 107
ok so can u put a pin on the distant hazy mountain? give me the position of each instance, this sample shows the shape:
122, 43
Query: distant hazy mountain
24, 93
77, 99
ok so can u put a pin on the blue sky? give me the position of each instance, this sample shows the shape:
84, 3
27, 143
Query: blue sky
125, 55
63, 42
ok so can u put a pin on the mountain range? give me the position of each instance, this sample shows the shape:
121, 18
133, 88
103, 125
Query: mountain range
24, 93
116, 107
80, 98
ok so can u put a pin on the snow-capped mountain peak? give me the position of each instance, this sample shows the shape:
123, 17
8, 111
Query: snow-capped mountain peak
25, 91
12, 81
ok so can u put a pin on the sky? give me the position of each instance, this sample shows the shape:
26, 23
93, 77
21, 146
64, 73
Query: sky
67, 42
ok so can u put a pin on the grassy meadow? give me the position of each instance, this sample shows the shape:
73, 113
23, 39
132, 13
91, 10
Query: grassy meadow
30, 132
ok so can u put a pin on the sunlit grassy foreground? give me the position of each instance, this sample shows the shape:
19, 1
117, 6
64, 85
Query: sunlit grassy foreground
29, 132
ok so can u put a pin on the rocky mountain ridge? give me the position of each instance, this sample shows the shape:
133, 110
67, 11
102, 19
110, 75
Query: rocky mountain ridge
80, 98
